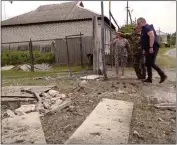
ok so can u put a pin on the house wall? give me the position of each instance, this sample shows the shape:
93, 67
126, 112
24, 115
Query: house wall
45, 31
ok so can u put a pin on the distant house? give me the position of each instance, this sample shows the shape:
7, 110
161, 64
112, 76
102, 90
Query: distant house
51, 22
163, 37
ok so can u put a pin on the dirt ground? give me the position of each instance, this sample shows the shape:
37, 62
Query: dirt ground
153, 125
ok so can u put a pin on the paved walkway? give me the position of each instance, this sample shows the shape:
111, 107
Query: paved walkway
109, 123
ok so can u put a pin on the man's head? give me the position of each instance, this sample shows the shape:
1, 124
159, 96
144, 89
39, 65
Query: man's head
137, 29
118, 34
141, 22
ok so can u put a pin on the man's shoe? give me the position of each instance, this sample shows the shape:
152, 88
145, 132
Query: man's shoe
143, 77
163, 78
147, 81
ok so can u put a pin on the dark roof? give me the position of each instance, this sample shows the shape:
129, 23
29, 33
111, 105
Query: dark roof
69, 11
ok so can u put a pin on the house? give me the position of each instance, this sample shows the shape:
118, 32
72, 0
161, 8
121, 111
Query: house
53, 22
163, 37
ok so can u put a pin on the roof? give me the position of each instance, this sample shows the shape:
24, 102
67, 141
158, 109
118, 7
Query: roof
68, 11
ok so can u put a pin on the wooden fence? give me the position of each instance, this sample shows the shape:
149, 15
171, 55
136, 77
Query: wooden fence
78, 50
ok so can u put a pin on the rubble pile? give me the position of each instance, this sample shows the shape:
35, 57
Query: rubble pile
48, 102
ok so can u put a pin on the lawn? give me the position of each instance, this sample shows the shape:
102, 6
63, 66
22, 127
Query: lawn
55, 71
165, 61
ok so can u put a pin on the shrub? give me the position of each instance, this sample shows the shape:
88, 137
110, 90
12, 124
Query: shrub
21, 57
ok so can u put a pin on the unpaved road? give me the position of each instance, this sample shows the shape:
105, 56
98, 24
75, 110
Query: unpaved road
172, 52
153, 125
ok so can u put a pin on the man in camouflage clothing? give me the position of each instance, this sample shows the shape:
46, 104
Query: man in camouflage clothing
136, 53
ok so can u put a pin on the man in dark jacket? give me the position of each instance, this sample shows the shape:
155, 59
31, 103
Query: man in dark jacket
151, 47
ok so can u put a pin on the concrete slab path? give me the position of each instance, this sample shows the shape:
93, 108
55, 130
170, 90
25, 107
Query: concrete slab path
109, 123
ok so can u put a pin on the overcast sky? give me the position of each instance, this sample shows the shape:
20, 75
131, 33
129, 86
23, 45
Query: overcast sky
162, 14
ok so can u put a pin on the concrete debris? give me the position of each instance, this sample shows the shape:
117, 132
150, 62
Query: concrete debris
53, 93
160, 119
84, 82
23, 130
47, 104
20, 113
42, 67
169, 106
25, 109
57, 103
173, 121
67, 128
136, 133
121, 92
23, 67
57, 108
46, 95
91, 77
61, 96
9, 113
26, 67
4, 68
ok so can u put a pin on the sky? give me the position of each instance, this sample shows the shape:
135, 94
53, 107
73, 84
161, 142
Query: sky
162, 14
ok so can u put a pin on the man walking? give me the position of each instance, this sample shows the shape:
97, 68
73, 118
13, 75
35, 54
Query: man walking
136, 52
151, 47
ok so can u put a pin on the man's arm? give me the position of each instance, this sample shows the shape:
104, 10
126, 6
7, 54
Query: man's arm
151, 38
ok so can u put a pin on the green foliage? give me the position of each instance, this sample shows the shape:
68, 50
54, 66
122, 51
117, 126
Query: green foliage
127, 28
171, 39
11, 57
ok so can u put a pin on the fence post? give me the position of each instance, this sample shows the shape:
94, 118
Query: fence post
10, 54
31, 55
81, 53
68, 62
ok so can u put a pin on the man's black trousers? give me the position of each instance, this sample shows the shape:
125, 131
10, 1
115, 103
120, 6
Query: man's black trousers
150, 63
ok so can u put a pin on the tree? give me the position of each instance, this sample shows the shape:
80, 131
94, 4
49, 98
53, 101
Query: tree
127, 28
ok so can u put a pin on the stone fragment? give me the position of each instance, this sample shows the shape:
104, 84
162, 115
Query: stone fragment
160, 119
9, 113
136, 133
53, 93
46, 95
67, 128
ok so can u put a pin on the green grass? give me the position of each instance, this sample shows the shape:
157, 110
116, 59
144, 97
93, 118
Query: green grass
55, 71
165, 61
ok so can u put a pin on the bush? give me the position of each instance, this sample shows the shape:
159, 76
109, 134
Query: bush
22, 57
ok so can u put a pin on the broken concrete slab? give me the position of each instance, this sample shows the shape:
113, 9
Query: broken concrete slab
26, 109
57, 107
23, 67
109, 123
15, 91
42, 67
9, 67
90, 77
25, 129
9, 113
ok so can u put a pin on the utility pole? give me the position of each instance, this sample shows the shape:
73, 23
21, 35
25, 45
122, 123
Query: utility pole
111, 51
130, 17
127, 12
103, 42
159, 35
